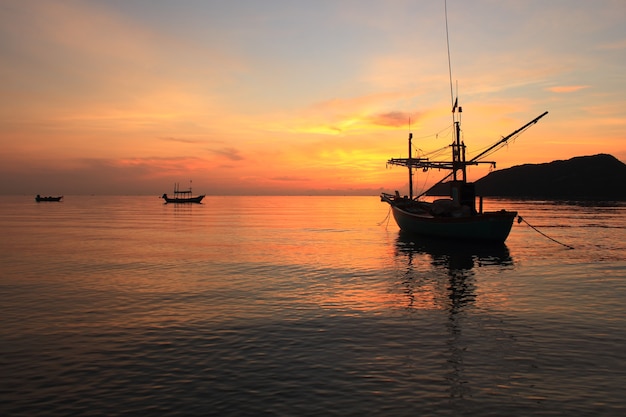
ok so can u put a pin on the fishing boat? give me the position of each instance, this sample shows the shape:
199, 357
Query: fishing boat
39, 198
456, 217
182, 196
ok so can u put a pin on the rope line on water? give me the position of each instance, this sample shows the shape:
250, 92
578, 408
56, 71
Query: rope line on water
386, 219
521, 219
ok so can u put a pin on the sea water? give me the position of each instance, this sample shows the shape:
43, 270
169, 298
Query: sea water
306, 306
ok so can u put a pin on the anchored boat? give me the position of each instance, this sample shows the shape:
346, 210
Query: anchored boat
39, 198
456, 217
182, 196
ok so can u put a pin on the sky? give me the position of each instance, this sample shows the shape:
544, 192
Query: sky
297, 97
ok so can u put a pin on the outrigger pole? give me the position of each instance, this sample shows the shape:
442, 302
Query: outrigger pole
475, 159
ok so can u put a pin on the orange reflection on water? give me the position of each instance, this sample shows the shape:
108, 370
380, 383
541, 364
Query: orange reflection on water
377, 298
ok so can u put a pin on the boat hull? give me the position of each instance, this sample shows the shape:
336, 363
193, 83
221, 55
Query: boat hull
39, 199
175, 200
486, 227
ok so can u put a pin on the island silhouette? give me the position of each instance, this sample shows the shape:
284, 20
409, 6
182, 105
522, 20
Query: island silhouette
599, 177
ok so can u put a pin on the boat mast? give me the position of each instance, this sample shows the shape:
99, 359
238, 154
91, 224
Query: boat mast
458, 148
410, 166
459, 161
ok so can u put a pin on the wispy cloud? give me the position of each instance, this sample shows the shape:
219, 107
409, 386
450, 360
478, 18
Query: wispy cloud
122, 92
228, 153
620, 44
179, 140
290, 178
393, 119
566, 88
352, 114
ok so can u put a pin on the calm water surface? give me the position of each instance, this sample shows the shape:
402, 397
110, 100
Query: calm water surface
277, 306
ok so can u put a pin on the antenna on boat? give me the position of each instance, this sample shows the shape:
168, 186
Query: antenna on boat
458, 149
445, 5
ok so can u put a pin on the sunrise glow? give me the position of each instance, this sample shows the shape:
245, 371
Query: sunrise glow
295, 98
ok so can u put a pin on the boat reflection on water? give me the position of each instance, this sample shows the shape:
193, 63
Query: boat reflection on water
441, 275
445, 269
453, 255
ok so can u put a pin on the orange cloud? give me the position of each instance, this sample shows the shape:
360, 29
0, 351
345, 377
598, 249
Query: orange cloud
347, 115
566, 88
288, 178
228, 153
393, 119
179, 140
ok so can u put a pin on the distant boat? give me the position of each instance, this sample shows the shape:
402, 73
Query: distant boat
182, 196
39, 198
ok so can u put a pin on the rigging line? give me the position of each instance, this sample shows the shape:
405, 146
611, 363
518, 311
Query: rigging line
497, 145
486, 152
436, 151
445, 5
386, 219
436, 134
425, 182
520, 219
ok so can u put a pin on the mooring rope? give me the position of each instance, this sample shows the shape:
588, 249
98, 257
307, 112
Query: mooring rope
521, 219
386, 219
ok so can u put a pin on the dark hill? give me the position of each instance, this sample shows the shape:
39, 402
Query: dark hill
597, 177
